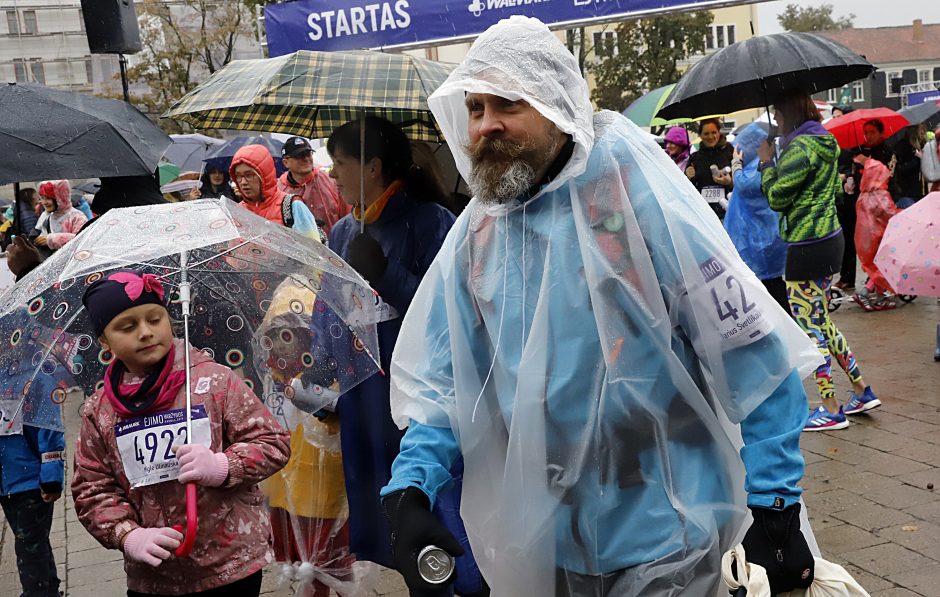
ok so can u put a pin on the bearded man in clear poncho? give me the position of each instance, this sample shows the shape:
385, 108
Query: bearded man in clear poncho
620, 385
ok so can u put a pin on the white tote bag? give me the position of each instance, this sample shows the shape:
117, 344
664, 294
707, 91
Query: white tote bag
930, 161
830, 580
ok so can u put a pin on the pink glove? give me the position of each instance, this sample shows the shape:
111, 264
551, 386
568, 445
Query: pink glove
150, 545
201, 465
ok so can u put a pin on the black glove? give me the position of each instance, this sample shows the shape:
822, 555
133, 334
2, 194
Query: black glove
413, 529
775, 543
365, 255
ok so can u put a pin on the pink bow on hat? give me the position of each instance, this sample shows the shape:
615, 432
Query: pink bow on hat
135, 285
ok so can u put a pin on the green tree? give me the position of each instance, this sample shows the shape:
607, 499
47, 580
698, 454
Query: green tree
813, 18
183, 44
645, 54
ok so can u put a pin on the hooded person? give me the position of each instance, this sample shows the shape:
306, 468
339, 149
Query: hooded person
874, 208
307, 498
253, 171
677, 146
589, 341
59, 222
750, 222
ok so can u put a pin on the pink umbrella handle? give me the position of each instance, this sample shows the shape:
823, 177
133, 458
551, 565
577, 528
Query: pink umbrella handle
189, 537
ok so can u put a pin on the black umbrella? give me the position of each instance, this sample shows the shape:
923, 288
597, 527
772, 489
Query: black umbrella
921, 112
753, 72
50, 133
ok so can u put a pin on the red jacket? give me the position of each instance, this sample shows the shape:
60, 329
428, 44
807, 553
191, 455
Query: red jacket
234, 534
259, 159
319, 194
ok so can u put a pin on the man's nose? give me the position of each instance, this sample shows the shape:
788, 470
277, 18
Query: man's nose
491, 125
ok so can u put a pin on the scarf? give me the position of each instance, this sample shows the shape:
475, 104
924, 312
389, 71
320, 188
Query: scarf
374, 211
157, 391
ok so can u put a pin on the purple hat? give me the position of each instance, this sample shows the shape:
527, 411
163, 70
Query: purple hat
119, 291
678, 136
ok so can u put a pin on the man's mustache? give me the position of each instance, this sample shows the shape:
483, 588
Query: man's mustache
495, 148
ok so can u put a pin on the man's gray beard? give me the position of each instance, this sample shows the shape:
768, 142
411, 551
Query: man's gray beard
490, 188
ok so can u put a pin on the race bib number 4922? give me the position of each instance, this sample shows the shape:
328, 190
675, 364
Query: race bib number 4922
146, 443
732, 301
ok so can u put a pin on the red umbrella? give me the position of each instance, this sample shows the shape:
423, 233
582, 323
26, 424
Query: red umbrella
847, 129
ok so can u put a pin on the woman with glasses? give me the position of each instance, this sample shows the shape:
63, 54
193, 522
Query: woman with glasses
253, 171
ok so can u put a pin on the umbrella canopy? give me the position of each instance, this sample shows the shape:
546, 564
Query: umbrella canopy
909, 254
236, 263
643, 111
848, 128
755, 71
221, 156
920, 113
188, 151
49, 133
311, 93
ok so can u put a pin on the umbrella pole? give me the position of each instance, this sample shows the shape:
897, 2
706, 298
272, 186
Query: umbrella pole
191, 521
362, 172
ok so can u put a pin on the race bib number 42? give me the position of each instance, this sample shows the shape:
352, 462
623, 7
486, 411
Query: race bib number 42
732, 301
146, 443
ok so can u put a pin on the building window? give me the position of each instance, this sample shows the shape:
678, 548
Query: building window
858, 91
925, 75
605, 43
39, 73
833, 96
29, 22
19, 70
89, 71
720, 36
13, 23
893, 81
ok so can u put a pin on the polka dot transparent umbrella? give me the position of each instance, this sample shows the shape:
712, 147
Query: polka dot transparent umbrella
235, 263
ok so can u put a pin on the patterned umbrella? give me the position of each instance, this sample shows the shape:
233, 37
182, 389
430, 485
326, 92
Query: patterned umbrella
311, 93
235, 263
909, 255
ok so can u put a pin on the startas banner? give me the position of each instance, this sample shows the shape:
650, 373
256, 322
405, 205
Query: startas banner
328, 25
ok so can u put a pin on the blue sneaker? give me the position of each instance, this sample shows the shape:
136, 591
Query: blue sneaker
823, 420
860, 403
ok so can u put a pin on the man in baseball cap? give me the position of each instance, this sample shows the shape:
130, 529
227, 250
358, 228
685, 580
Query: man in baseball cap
317, 190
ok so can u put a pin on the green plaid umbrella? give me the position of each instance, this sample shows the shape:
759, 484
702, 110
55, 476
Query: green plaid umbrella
311, 93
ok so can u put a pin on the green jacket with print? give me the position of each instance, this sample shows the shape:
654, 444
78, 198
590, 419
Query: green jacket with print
803, 187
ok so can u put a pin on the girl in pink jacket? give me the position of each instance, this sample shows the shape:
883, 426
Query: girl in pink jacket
132, 464
59, 222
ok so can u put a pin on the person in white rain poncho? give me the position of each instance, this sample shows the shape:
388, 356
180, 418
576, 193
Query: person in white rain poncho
592, 345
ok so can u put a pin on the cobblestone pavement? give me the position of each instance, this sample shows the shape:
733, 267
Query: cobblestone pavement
869, 488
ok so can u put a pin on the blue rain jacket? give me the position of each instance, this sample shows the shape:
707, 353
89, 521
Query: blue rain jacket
749, 221
37, 455
635, 524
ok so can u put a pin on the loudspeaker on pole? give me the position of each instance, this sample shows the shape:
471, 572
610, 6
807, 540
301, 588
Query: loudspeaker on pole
111, 26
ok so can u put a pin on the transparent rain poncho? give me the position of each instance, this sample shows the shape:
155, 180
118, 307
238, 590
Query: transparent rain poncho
307, 498
591, 350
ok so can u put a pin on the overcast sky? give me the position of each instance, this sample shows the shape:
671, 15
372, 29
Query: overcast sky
868, 13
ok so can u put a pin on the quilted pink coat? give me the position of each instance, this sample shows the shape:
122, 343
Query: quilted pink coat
234, 533
64, 223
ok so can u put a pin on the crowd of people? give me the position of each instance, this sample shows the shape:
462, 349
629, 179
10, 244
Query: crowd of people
566, 360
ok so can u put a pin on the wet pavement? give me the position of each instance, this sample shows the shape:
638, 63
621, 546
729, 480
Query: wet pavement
870, 488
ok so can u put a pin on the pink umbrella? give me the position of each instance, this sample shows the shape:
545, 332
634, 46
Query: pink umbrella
909, 255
